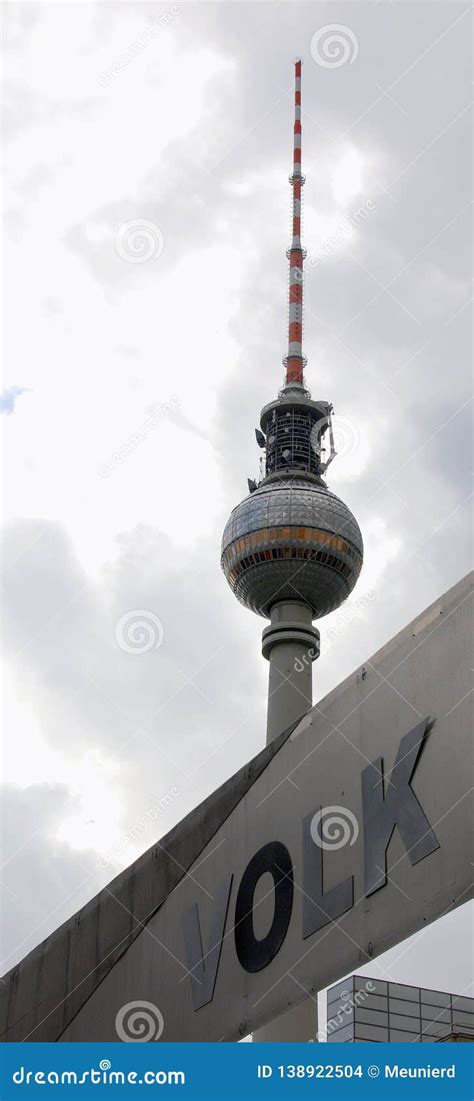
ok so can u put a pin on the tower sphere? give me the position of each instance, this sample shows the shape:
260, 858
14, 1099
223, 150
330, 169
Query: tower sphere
292, 539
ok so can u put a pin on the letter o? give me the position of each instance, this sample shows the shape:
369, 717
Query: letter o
254, 954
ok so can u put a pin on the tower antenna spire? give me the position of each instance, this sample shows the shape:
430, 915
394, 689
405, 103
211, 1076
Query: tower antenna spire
295, 361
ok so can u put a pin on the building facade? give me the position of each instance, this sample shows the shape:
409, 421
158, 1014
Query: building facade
365, 1009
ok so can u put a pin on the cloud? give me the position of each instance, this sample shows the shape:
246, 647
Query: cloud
43, 881
117, 728
8, 398
195, 138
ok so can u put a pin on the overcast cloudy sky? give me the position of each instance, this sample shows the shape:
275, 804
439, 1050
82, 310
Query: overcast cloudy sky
147, 215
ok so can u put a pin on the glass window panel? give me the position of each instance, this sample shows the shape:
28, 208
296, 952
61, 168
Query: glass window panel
397, 990
397, 1020
371, 1001
340, 1015
371, 986
408, 1024
460, 1018
435, 1013
335, 992
435, 997
463, 1003
398, 1005
398, 1037
371, 1017
435, 1028
343, 1036
369, 1032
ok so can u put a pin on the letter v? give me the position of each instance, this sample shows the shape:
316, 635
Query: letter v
203, 967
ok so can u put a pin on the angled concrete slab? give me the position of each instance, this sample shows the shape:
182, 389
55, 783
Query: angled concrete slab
404, 714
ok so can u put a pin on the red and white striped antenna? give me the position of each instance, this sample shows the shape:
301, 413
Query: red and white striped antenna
295, 361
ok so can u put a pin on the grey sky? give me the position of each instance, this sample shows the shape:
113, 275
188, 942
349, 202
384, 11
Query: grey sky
190, 132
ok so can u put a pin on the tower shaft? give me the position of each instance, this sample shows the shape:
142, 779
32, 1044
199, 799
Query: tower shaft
291, 644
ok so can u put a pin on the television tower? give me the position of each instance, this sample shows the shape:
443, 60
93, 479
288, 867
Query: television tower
292, 551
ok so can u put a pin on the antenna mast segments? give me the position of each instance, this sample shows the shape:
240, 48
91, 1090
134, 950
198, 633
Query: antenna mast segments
295, 360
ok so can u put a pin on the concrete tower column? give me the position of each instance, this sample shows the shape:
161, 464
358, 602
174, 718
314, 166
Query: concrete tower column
290, 644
